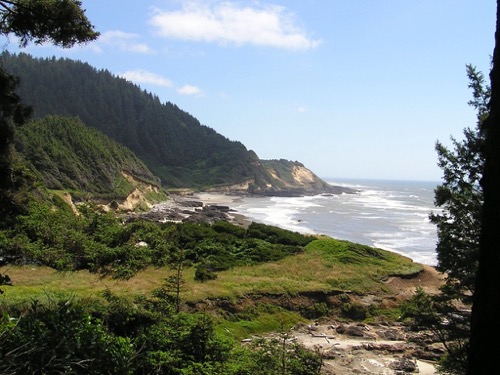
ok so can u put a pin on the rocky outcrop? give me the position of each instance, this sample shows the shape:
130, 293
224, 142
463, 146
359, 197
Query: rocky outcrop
182, 210
138, 197
283, 178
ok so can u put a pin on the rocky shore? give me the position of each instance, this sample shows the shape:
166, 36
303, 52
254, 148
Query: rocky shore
376, 349
196, 208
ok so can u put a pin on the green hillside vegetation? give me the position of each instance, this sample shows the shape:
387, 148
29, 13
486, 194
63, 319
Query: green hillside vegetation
172, 143
99, 242
67, 155
325, 265
131, 303
187, 264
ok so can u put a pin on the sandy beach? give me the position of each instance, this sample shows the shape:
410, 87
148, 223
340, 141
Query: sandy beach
216, 198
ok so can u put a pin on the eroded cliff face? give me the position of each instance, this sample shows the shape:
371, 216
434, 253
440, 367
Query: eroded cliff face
138, 198
283, 178
301, 178
291, 178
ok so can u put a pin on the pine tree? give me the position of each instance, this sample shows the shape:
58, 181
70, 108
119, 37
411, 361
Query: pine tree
461, 198
486, 305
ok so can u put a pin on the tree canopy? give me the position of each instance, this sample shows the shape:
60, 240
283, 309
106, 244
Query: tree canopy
60, 22
461, 197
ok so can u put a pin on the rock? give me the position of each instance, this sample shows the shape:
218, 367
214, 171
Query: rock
404, 365
189, 203
390, 334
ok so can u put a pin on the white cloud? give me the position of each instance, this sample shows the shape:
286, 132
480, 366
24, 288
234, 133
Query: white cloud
127, 42
139, 76
227, 23
189, 90
302, 109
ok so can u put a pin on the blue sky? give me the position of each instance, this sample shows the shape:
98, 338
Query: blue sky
350, 88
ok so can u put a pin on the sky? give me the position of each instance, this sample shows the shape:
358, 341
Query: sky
349, 88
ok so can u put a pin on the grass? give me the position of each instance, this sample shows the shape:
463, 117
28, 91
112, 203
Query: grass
326, 265
275, 321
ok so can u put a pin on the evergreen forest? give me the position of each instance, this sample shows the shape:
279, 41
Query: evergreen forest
172, 143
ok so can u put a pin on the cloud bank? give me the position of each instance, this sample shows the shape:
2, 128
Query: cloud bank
124, 41
230, 24
141, 76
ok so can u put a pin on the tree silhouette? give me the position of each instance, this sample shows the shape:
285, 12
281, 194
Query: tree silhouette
485, 329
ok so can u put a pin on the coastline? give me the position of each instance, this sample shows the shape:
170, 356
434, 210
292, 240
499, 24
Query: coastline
220, 199
328, 215
369, 354
393, 216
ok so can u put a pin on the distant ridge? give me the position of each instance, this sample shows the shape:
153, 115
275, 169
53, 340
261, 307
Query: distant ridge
174, 145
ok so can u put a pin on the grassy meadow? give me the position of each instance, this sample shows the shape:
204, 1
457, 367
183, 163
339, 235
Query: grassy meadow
326, 265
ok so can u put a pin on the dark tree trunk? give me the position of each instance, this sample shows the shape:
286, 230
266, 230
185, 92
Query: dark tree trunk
485, 326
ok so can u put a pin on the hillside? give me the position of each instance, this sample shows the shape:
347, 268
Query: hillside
66, 155
174, 145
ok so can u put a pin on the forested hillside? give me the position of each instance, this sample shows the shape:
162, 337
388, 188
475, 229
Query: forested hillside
67, 155
172, 143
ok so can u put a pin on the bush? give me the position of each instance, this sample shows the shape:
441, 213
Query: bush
204, 272
61, 338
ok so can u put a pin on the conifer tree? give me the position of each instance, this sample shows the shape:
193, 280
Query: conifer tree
461, 197
458, 225
485, 329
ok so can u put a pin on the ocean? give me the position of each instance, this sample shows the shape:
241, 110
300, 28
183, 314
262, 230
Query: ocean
391, 215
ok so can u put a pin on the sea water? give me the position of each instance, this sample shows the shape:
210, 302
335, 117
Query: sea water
391, 215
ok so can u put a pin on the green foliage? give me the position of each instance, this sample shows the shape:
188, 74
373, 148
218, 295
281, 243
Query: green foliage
62, 240
99, 242
317, 310
277, 235
68, 155
60, 22
13, 113
173, 144
184, 344
420, 309
278, 356
461, 197
204, 272
338, 251
60, 338
120, 337
449, 325
459, 227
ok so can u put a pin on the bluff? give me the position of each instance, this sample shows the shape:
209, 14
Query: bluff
173, 144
